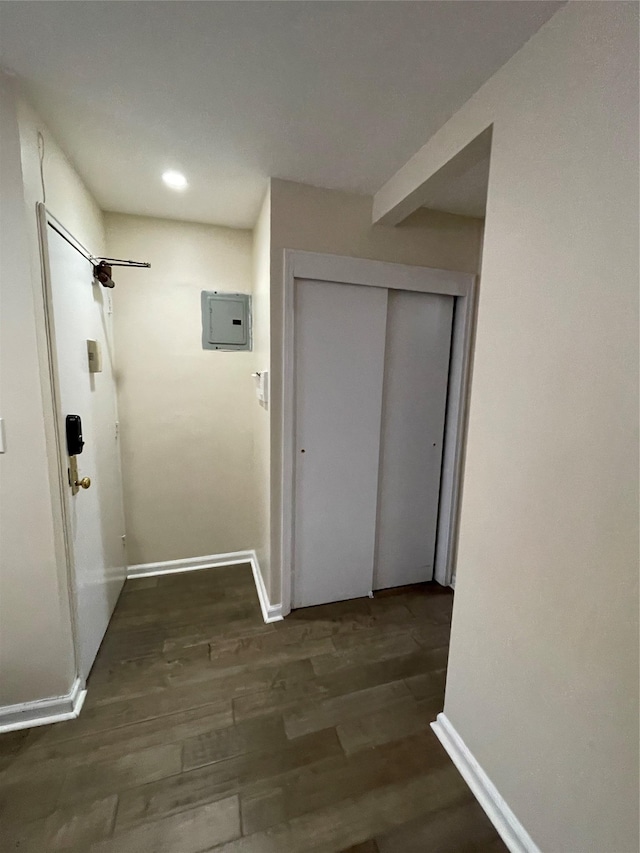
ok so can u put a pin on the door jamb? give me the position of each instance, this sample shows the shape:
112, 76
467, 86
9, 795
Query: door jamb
339, 269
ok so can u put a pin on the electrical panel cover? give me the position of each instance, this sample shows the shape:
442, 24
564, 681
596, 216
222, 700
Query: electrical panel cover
226, 320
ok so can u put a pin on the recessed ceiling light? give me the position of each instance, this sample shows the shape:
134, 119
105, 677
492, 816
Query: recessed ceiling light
175, 180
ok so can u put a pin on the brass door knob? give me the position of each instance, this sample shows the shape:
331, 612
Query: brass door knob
84, 483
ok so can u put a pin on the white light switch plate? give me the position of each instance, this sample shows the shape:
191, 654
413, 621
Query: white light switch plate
2, 443
262, 386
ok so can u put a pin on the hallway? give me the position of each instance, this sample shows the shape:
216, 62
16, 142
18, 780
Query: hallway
205, 729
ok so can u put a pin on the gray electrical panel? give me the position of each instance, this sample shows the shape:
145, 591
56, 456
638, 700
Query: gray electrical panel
226, 320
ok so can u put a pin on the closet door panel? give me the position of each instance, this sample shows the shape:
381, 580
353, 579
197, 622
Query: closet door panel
414, 402
339, 368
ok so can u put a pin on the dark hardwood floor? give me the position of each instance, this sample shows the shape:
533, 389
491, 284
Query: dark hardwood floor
205, 729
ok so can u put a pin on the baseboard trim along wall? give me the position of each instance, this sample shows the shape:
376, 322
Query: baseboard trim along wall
512, 832
43, 712
190, 564
270, 612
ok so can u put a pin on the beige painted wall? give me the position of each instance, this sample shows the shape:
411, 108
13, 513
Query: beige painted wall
186, 413
36, 652
36, 647
261, 350
320, 220
543, 672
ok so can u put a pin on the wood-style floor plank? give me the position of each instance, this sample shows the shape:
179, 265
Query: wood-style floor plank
94, 779
223, 778
464, 829
354, 820
206, 730
190, 831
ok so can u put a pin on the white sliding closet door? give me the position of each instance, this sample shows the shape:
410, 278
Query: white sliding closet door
414, 403
339, 364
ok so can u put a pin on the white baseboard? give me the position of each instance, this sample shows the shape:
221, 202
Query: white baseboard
190, 564
512, 832
270, 612
43, 712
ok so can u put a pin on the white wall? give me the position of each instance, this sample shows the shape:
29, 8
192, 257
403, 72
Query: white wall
543, 672
36, 647
186, 413
320, 220
66, 195
262, 361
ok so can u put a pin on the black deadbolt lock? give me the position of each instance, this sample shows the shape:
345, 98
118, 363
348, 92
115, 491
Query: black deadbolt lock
74, 435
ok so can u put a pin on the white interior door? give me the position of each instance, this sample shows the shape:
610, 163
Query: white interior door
339, 362
81, 311
413, 417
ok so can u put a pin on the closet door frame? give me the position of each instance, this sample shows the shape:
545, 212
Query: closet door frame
345, 270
